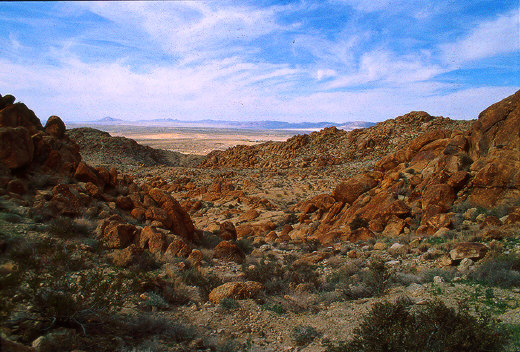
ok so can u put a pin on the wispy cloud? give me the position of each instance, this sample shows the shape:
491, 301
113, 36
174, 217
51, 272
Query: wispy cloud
202, 59
488, 39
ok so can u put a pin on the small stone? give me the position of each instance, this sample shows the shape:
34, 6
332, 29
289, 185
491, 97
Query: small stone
438, 279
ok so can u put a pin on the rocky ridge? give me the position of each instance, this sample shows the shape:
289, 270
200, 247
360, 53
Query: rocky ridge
99, 148
331, 146
252, 256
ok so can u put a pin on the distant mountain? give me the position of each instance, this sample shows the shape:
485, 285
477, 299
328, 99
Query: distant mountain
108, 120
257, 125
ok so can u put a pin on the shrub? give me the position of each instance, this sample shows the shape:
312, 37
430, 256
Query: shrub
229, 303
245, 244
378, 277
76, 299
358, 222
394, 327
205, 282
64, 227
502, 271
304, 334
146, 325
273, 307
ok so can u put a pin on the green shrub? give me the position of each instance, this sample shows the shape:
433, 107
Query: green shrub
358, 222
395, 327
205, 282
378, 278
229, 303
502, 271
274, 307
245, 244
64, 227
304, 334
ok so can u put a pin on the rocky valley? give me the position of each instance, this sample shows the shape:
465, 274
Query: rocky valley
382, 237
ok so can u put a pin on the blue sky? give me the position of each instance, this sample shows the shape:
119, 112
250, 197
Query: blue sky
335, 60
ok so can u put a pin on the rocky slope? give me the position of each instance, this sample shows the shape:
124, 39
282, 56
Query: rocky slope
261, 259
415, 189
99, 148
331, 146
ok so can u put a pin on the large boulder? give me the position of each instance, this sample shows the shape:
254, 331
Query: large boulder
229, 251
349, 191
16, 147
235, 290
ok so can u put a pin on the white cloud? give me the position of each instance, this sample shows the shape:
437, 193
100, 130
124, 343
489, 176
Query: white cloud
386, 67
489, 38
325, 73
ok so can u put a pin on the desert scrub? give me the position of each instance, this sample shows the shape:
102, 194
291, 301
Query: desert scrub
304, 334
64, 227
397, 327
502, 271
204, 281
377, 278
229, 303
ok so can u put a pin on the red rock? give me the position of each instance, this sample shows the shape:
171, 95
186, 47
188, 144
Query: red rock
235, 290
16, 147
117, 235
138, 213
470, 250
490, 221
361, 234
16, 186
229, 251
249, 215
19, 115
179, 248
158, 214
227, 231
86, 173
271, 237
125, 203
195, 257
55, 127
286, 229
348, 192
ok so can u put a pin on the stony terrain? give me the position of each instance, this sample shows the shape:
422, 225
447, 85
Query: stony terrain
99, 148
282, 246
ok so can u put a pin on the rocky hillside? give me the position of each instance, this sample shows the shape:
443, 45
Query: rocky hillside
418, 188
331, 146
99, 148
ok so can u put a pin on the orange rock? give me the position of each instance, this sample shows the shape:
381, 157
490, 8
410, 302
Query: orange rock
16, 147
229, 251
86, 173
348, 192
227, 231
55, 127
125, 203
235, 290
471, 250
179, 248
117, 235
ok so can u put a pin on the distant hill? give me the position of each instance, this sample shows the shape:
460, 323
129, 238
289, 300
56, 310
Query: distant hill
260, 125
332, 146
99, 148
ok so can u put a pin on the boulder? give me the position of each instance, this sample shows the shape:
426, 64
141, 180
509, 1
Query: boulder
179, 248
235, 290
229, 251
118, 235
348, 192
16, 147
470, 250
227, 231
55, 127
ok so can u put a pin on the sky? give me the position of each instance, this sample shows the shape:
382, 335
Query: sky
329, 60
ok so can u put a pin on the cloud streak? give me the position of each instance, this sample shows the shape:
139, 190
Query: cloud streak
196, 60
